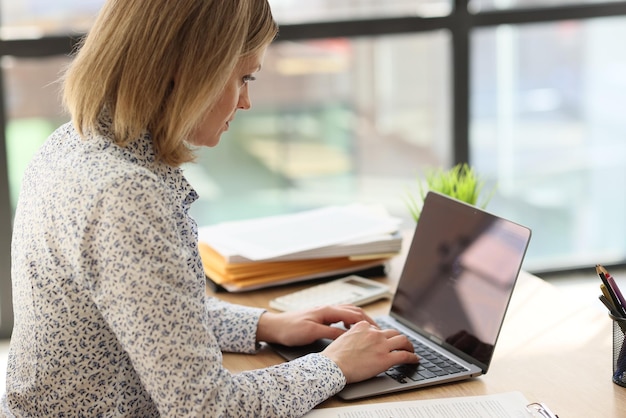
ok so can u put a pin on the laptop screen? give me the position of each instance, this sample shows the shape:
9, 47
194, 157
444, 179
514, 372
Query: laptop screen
459, 276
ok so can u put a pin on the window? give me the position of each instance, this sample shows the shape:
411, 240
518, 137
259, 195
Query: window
33, 110
296, 11
333, 121
489, 5
359, 97
547, 125
38, 18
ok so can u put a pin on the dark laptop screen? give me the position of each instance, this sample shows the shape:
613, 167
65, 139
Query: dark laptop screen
459, 276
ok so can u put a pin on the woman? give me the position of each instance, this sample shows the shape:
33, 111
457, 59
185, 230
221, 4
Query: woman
111, 315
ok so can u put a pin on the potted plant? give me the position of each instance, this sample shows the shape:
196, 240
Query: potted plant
460, 182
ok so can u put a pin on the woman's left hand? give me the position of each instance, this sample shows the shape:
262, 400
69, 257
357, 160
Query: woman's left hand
304, 327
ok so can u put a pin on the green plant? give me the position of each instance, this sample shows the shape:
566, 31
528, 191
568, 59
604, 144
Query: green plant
460, 182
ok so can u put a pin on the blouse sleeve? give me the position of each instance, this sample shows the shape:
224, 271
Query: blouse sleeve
144, 281
234, 326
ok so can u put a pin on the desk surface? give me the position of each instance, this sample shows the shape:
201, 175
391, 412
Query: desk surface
551, 350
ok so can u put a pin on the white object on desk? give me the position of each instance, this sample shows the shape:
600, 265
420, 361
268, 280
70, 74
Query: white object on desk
353, 289
324, 229
500, 405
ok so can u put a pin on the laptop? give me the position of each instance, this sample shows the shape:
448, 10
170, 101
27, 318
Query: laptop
451, 297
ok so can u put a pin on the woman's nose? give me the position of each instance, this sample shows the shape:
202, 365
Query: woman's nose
244, 99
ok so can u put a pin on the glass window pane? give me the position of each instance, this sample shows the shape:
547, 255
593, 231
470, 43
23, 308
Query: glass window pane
296, 11
548, 127
33, 110
35, 18
486, 5
333, 121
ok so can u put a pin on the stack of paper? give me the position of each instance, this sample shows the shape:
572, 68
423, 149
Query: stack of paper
251, 254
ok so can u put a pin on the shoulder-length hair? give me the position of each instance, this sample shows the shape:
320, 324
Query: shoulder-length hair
158, 66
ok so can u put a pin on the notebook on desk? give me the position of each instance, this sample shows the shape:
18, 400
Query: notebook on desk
451, 297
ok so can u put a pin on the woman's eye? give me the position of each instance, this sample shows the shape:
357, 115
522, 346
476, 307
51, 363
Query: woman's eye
248, 78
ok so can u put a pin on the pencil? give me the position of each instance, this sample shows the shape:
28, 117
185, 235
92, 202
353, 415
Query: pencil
614, 286
612, 296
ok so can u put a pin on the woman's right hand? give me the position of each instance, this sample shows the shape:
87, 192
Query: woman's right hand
365, 351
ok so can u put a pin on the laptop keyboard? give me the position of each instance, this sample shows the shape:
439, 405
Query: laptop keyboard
431, 364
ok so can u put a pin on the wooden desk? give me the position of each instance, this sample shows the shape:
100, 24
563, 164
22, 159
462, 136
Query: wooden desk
550, 349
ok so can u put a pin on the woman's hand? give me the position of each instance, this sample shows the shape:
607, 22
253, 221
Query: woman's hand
304, 327
365, 351
361, 352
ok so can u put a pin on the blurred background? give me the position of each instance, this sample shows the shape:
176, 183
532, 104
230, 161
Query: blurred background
359, 98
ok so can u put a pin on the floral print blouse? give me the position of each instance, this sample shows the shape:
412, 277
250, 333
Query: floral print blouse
111, 313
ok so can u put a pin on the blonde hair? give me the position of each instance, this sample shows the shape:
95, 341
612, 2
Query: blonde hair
158, 66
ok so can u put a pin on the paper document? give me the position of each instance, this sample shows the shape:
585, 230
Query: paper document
270, 237
503, 405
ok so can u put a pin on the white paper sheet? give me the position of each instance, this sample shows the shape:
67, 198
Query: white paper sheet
270, 237
503, 405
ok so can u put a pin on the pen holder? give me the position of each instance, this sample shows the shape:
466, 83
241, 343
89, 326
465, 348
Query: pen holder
619, 350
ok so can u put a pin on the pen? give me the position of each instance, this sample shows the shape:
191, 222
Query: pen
612, 297
614, 286
606, 294
609, 306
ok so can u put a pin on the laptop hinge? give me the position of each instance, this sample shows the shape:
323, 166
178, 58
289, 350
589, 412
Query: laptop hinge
436, 340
